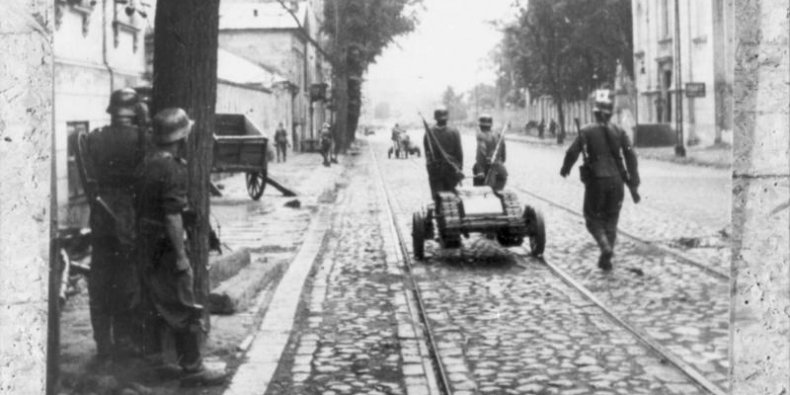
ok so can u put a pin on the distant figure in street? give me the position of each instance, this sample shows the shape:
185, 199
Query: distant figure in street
167, 272
109, 158
485, 161
553, 128
605, 145
541, 127
281, 140
327, 144
444, 155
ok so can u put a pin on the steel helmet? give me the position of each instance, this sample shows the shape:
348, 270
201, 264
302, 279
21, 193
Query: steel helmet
171, 124
441, 114
123, 102
603, 101
486, 120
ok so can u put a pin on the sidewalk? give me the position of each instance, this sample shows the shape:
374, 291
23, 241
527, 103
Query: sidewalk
717, 156
273, 234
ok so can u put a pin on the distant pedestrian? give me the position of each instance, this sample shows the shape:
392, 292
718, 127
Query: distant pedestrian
281, 141
167, 271
553, 128
109, 157
604, 146
327, 144
541, 127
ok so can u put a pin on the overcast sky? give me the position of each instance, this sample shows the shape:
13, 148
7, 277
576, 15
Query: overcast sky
450, 47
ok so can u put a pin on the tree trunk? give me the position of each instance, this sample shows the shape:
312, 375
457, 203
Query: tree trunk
558, 101
341, 109
185, 75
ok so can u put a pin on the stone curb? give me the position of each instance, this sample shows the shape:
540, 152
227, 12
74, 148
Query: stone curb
237, 293
223, 267
253, 376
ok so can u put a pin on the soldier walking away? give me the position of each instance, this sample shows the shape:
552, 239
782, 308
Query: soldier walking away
604, 147
444, 156
327, 144
281, 140
489, 144
108, 158
167, 272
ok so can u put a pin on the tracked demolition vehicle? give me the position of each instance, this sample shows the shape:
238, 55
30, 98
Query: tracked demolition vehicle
478, 209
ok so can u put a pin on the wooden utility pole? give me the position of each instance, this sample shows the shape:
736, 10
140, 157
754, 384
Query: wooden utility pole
185, 75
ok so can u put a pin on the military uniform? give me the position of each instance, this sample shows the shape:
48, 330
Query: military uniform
112, 287
161, 191
484, 161
281, 140
603, 195
326, 145
444, 170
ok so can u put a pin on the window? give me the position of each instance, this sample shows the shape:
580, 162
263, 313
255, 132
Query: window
73, 129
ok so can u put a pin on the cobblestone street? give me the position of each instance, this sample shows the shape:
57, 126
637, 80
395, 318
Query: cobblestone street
502, 322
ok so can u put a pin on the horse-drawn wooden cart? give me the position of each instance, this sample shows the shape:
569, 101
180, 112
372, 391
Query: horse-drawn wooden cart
240, 147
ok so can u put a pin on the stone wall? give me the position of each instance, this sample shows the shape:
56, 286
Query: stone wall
760, 303
25, 168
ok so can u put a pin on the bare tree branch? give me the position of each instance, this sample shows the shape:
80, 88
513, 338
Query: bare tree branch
306, 34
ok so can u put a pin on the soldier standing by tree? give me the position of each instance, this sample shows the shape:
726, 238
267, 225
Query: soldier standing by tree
167, 271
604, 145
109, 157
444, 155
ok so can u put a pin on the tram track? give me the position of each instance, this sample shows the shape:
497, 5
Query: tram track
693, 375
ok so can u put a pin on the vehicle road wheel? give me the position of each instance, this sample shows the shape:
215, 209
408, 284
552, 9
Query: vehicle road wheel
256, 184
537, 231
418, 235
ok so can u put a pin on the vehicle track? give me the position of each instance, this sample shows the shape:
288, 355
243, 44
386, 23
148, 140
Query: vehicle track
393, 206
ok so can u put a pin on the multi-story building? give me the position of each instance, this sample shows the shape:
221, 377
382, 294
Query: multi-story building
98, 47
701, 53
285, 40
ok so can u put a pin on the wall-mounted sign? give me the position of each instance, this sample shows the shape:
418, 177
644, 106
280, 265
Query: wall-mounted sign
695, 89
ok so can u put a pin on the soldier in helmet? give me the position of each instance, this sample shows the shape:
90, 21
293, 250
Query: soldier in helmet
605, 146
109, 156
166, 270
444, 156
485, 161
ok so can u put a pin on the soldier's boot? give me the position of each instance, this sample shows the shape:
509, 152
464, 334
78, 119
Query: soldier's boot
195, 373
605, 259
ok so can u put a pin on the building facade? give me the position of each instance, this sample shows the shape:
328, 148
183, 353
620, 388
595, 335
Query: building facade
99, 47
268, 34
701, 54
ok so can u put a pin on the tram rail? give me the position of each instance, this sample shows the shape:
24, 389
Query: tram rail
695, 377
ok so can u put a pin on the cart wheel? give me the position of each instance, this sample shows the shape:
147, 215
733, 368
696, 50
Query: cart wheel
537, 231
418, 235
256, 183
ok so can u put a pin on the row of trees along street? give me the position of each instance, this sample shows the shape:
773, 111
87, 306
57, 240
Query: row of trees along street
564, 49
185, 75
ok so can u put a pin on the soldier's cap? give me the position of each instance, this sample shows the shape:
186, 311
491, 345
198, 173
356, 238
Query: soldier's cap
486, 119
441, 113
123, 102
170, 125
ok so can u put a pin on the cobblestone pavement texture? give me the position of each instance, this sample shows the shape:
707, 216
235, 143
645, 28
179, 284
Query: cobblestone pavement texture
501, 328
346, 337
677, 305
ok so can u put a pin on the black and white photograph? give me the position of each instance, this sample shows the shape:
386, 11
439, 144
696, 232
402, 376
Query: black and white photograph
395, 197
